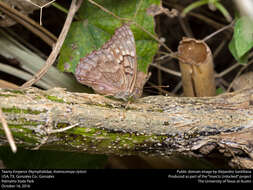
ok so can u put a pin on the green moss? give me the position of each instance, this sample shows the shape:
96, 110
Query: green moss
19, 132
24, 121
13, 91
17, 92
6, 95
107, 140
54, 99
24, 111
62, 125
37, 98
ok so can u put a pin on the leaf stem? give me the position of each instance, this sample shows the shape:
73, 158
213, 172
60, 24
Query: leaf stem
223, 10
194, 6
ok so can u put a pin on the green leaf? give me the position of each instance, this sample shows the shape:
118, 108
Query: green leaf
81, 40
243, 59
219, 91
98, 26
242, 40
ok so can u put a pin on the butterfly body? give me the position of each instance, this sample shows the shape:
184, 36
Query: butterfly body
112, 69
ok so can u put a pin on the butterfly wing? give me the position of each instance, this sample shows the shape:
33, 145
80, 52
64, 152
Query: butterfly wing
112, 69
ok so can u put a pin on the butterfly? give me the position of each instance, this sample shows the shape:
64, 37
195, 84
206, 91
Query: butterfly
112, 69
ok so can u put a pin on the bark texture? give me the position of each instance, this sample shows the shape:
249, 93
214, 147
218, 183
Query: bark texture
154, 125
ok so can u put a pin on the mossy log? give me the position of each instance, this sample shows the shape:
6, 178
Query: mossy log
154, 125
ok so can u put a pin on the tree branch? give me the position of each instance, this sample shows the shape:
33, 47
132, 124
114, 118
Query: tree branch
154, 125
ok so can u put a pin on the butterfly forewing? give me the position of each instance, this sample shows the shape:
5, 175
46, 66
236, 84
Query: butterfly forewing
112, 69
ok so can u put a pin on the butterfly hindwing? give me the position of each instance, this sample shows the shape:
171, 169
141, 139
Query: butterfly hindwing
112, 69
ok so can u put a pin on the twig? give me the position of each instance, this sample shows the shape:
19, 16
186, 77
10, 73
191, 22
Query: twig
179, 85
7, 32
228, 70
218, 31
51, 131
207, 20
238, 74
160, 89
34, 27
137, 9
62, 129
175, 73
219, 48
139, 26
172, 54
6, 84
8, 133
72, 10
185, 26
41, 7
105, 10
163, 57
